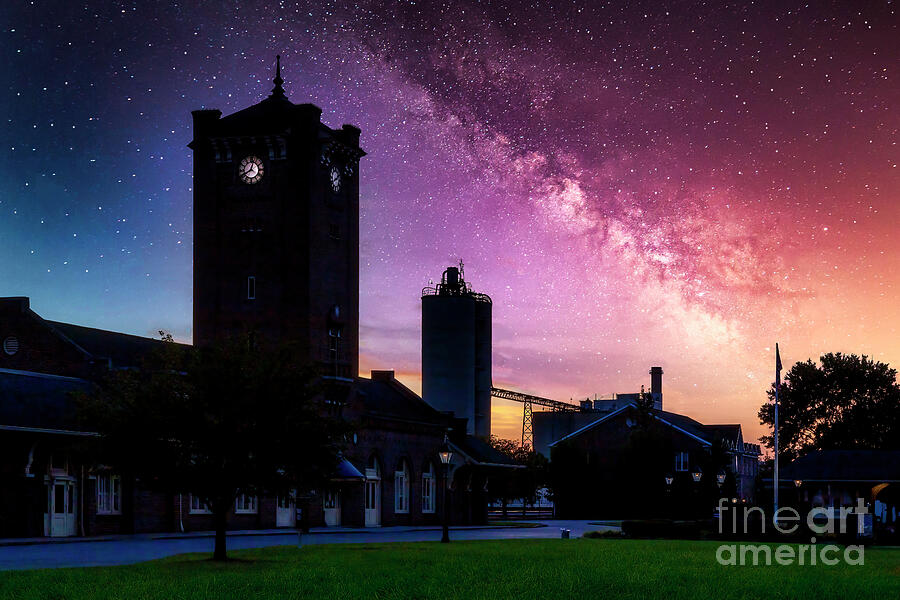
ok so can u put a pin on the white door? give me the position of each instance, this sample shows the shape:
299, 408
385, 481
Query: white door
373, 498
285, 514
61, 508
332, 505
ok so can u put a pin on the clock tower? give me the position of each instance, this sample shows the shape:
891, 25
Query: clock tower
276, 229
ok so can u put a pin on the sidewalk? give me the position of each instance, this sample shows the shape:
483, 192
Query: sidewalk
242, 533
43, 553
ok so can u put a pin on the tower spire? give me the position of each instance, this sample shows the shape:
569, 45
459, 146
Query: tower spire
278, 91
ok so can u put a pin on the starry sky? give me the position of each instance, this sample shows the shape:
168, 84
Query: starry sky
634, 183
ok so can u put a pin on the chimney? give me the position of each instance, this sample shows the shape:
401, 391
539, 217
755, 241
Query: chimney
656, 374
382, 375
19, 304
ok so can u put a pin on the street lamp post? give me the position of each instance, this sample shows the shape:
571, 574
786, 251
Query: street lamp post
446, 454
668, 508
697, 475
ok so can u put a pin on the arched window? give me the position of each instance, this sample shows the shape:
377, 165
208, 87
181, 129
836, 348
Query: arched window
401, 488
428, 488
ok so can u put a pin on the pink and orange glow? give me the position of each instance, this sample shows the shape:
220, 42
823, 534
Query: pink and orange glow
632, 185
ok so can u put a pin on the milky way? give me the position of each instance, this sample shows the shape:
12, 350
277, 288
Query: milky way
634, 184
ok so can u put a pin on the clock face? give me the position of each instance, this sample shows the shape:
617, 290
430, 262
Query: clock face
251, 170
335, 179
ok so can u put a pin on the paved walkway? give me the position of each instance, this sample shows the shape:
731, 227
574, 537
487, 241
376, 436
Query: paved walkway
42, 553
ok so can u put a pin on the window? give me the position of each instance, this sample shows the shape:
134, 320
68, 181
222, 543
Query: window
245, 504
251, 288
682, 461
373, 487
109, 494
286, 502
330, 501
428, 489
71, 507
334, 342
198, 507
371, 495
11, 345
59, 500
401, 489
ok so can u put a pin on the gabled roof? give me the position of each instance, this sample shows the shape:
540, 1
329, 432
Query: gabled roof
384, 396
681, 423
99, 345
123, 349
39, 402
845, 465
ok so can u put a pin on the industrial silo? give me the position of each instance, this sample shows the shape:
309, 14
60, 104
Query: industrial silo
456, 351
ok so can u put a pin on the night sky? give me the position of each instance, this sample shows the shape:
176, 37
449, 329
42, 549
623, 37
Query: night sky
634, 183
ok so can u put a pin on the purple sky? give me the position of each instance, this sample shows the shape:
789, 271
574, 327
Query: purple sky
634, 184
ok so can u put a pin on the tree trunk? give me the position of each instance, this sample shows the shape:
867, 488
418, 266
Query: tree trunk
219, 520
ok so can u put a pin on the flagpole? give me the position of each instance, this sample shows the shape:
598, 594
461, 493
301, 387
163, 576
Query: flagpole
777, 385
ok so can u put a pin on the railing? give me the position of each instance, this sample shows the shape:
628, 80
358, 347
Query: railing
514, 513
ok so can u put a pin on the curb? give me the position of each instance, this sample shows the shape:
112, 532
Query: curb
237, 534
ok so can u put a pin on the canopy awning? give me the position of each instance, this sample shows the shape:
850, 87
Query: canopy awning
347, 472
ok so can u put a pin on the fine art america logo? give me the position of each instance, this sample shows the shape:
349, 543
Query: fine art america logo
825, 521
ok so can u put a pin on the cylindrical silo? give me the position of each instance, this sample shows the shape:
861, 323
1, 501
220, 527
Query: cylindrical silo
482, 365
456, 351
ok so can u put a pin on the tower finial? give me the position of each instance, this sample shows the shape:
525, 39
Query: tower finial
278, 90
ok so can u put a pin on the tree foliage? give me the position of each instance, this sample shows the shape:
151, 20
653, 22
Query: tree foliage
519, 483
216, 422
849, 402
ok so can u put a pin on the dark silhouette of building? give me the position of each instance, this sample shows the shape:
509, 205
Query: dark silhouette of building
835, 479
276, 229
456, 351
550, 426
276, 254
595, 466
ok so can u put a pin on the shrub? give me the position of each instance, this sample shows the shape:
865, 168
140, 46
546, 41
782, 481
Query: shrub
593, 535
665, 528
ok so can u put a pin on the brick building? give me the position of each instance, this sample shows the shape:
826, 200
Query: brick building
597, 462
276, 254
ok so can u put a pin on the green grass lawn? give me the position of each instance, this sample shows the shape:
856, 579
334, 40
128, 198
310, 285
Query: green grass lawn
544, 569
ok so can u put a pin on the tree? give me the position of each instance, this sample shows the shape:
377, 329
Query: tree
217, 422
849, 402
519, 483
644, 463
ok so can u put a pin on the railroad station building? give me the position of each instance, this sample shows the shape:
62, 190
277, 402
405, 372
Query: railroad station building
276, 253
595, 437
